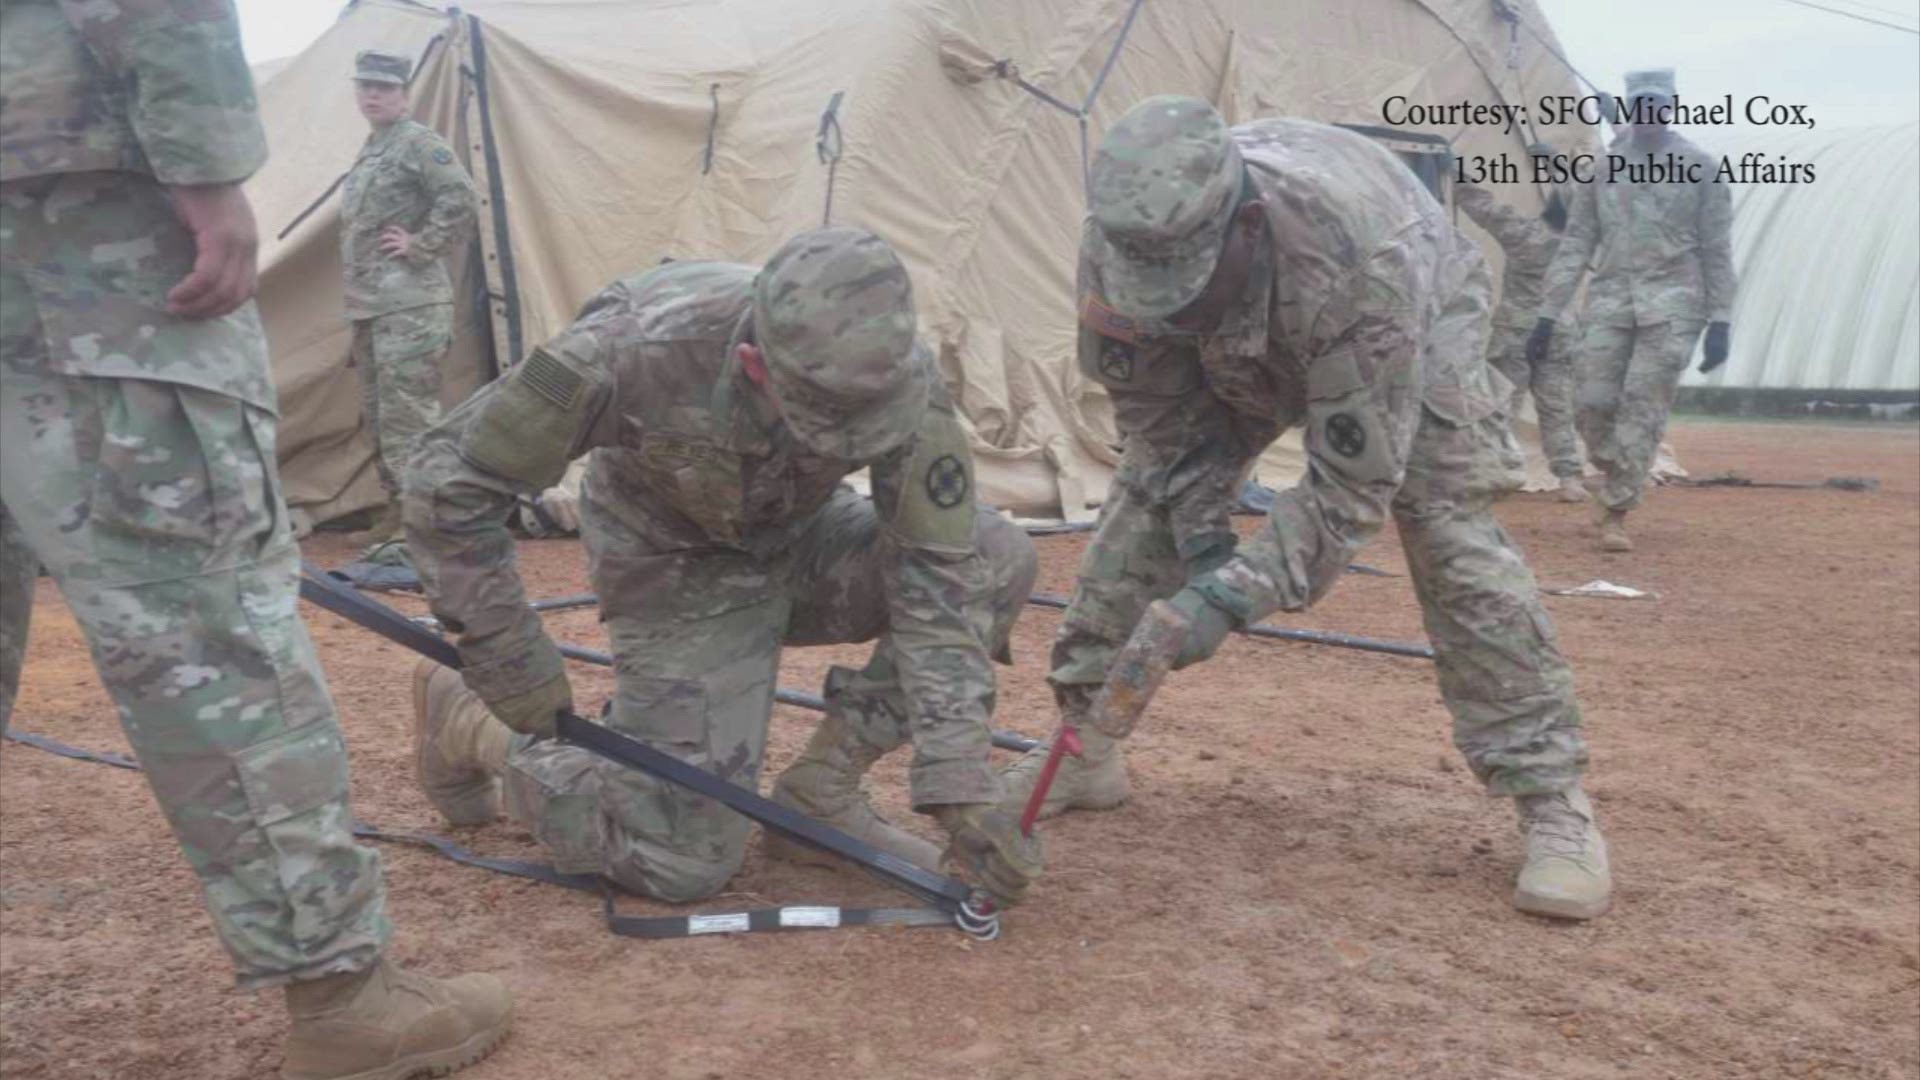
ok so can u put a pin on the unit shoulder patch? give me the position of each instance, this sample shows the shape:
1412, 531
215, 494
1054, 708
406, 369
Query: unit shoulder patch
946, 481
1346, 435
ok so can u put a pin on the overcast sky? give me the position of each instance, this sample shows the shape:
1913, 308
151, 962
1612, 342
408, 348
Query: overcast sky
1846, 73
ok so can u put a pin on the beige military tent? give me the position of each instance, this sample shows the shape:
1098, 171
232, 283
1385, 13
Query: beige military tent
608, 134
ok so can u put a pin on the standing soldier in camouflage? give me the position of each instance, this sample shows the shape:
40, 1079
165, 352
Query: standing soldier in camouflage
1234, 283
1529, 244
137, 463
1664, 270
406, 207
724, 405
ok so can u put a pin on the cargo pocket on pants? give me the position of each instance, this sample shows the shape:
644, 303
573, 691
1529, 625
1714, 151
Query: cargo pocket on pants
295, 785
669, 715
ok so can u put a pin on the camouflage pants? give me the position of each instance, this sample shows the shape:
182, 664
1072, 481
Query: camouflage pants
398, 357
697, 638
1552, 384
155, 505
1499, 665
1628, 376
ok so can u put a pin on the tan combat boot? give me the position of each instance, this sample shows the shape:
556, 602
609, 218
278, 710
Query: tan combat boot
386, 523
1096, 780
824, 784
389, 1024
1573, 490
459, 747
1566, 875
1613, 532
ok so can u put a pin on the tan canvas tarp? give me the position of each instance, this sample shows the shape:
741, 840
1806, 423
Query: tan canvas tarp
600, 113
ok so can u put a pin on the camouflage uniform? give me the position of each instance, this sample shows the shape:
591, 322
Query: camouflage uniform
1662, 259
1529, 246
137, 463
715, 535
1363, 321
401, 307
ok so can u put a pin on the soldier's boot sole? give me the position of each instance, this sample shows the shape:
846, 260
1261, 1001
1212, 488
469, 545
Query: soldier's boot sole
1561, 907
435, 1063
855, 817
1079, 785
465, 793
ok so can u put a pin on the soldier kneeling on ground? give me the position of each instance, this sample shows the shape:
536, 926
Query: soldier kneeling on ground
723, 406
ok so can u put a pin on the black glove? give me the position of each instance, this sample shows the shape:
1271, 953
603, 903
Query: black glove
1718, 335
1538, 341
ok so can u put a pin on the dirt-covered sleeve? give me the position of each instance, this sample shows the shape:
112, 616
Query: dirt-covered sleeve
514, 437
187, 89
1185, 449
1363, 402
924, 496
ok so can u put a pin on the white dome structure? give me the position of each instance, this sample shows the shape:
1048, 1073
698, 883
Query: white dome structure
1830, 270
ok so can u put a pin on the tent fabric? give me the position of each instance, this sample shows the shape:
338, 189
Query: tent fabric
1829, 271
627, 131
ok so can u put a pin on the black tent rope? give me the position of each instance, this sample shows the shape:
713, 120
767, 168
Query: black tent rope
1007, 740
713, 125
1512, 16
1007, 69
828, 144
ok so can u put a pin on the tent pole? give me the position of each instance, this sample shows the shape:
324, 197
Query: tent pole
506, 296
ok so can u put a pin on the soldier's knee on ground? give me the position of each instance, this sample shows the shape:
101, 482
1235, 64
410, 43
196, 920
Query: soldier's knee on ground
649, 868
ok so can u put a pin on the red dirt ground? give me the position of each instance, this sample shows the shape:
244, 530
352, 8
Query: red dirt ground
1307, 882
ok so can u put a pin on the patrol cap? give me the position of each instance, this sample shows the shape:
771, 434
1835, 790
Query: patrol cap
372, 65
833, 311
1164, 186
1654, 82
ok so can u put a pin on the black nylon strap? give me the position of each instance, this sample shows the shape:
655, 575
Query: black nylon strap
321, 589
945, 893
55, 746
652, 927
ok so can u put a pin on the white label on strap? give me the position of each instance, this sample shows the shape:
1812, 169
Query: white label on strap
719, 924
823, 917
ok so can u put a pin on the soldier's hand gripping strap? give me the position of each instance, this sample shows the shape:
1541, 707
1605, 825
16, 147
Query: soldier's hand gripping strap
526, 427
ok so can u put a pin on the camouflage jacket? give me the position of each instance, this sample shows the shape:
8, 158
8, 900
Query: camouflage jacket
406, 175
156, 87
1528, 246
1660, 252
694, 487
1365, 306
